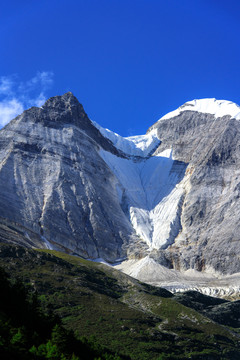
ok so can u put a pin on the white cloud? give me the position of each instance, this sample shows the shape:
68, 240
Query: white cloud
43, 80
5, 85
9, 109
16, 96
38, 101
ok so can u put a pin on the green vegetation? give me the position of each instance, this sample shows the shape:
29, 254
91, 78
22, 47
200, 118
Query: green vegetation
26, 332
99, 305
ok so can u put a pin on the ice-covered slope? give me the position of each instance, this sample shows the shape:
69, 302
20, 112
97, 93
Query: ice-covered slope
151, 192
141, 145
218, 108
147, 186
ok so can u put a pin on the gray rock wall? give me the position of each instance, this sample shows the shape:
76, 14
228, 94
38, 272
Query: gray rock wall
54, 183
210, 236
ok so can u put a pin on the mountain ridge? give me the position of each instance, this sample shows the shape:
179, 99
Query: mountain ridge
167, 198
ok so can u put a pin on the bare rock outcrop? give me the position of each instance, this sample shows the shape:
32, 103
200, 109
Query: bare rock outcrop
56, 191
210, 213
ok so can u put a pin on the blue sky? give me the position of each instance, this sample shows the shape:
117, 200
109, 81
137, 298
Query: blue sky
128, 62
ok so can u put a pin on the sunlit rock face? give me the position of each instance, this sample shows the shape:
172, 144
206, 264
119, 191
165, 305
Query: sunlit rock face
210, 211
183, 199
164, 202
54, 184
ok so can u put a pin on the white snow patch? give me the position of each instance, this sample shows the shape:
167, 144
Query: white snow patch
100, 260
140, 145
218, 108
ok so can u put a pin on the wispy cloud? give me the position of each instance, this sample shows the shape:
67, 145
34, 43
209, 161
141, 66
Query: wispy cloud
5, 85
9, 109
16, 95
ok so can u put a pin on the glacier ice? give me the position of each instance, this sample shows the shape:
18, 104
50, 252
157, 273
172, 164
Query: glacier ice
152, 192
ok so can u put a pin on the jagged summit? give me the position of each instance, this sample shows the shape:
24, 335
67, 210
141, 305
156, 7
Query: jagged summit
64, 110
56, 111
67, 99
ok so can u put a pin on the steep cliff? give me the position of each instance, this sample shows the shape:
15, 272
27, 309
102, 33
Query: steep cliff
56, 191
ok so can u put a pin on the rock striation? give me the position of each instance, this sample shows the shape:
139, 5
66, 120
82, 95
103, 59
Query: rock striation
209, 237
165, 203
56, 191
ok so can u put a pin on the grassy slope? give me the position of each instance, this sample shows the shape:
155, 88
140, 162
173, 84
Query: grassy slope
125, 315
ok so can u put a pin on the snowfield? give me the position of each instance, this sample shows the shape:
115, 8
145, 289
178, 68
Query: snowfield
218, 108
140, 145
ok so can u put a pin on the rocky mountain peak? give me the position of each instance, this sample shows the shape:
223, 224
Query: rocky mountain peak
65, 109
62, 101
55, 113
61, 112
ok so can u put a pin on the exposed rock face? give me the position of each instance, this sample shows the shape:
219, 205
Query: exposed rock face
55, 188
210, 212
169, 198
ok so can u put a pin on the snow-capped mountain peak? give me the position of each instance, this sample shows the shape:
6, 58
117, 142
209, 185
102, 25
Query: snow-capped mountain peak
218, 108
144, 145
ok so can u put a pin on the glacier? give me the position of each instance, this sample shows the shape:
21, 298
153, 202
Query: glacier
139, 145
151, 186
151, 192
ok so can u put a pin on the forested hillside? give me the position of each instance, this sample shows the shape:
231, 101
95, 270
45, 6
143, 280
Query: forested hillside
71, 308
